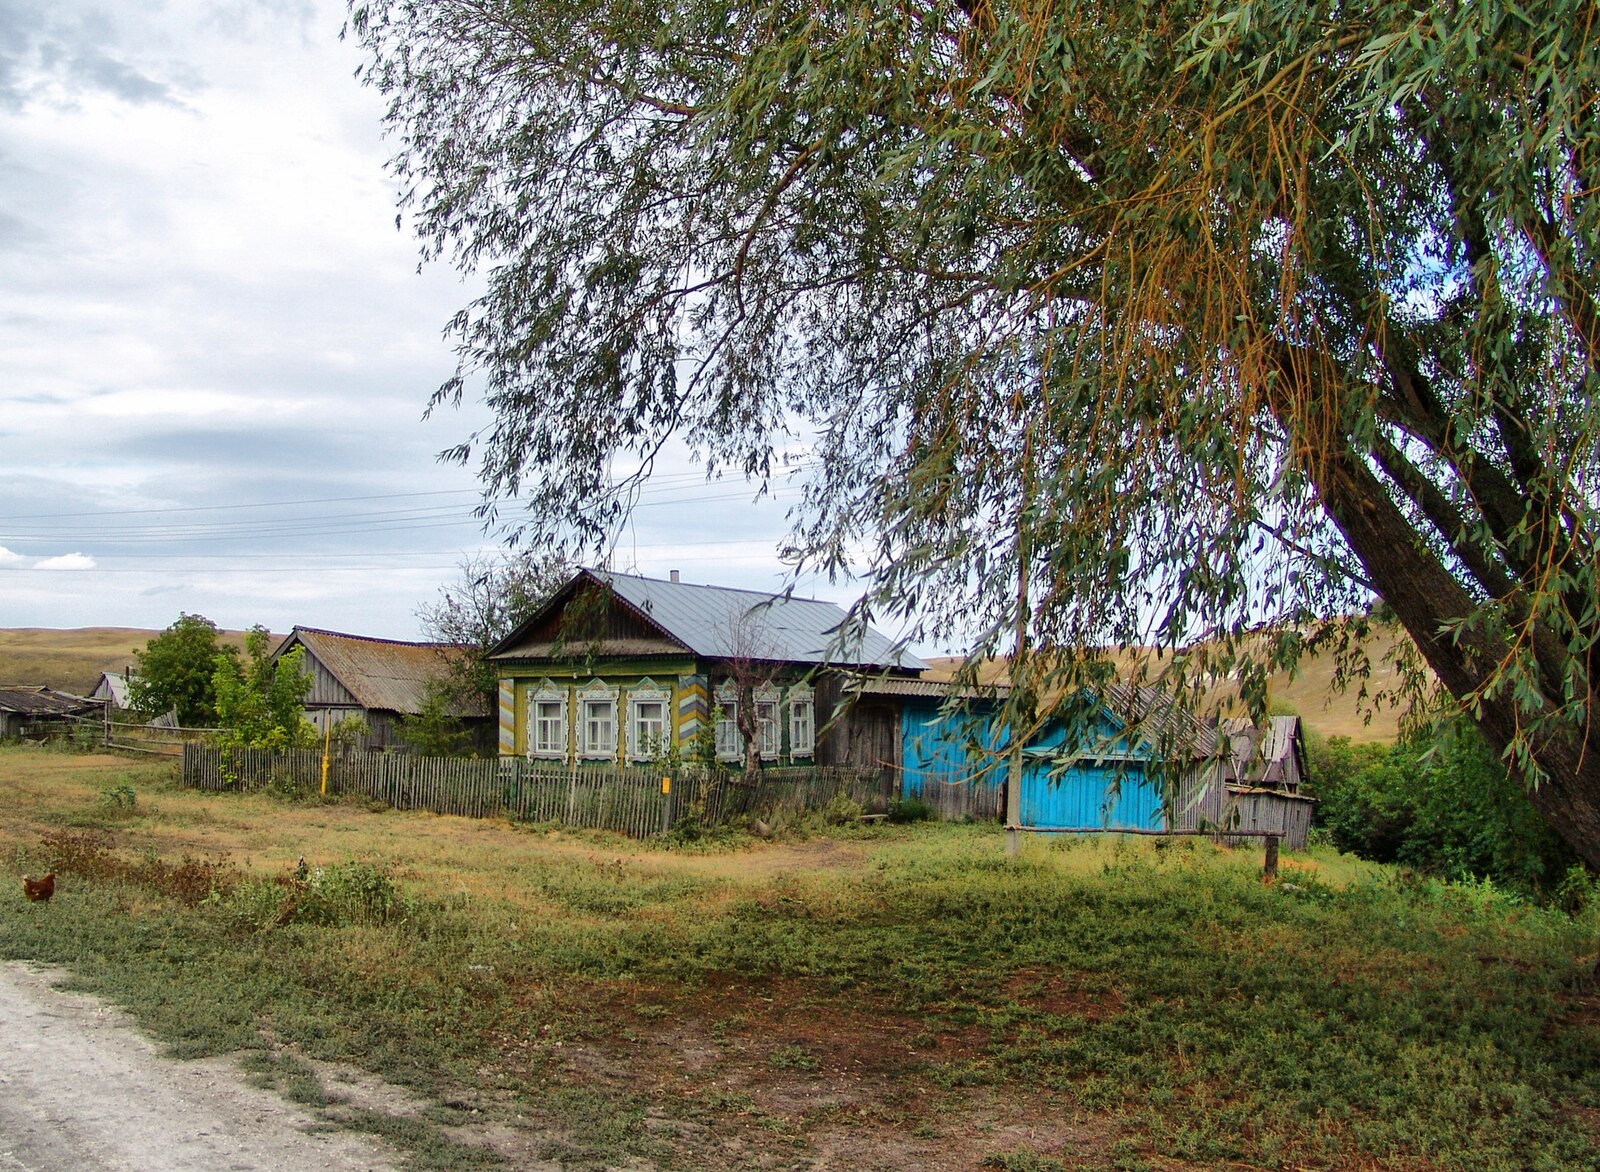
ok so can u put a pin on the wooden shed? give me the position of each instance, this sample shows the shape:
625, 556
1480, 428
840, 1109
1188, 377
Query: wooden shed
35, 710
378, 681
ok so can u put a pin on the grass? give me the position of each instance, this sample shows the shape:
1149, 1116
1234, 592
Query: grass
896, 996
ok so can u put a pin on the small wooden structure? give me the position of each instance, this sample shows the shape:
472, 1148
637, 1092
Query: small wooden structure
35, 710
1136, 763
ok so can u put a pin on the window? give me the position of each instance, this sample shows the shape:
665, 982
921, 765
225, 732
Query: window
599, 728
730, 746
549, 724
767, 717
802, 723
547, 721
649, 735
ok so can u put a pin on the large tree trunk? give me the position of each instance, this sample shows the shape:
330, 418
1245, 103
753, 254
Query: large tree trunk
1427, 600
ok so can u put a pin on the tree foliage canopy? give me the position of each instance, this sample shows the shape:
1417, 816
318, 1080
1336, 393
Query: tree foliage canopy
176, 669
261, 705
1212, 316
490, 596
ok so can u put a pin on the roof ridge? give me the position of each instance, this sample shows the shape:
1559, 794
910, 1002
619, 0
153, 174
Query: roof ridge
773, 594
299, 629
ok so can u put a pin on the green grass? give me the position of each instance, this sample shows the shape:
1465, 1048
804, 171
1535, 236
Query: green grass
1152, 1003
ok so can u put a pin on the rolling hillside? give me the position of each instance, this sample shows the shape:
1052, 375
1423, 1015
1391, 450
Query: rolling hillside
72, 659
1309, 693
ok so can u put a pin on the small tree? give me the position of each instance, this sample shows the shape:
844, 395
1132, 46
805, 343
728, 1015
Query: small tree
263, 706
489, 598
749, 666
177, 670
434, 732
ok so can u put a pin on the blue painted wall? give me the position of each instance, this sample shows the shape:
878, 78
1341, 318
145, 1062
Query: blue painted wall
1103, 785
943, 750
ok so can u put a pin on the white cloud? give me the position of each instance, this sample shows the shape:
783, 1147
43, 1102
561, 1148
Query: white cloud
66, 561
9, 558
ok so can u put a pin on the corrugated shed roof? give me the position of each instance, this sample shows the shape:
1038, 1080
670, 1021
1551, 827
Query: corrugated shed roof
1161, 718
1262, 755
382, 674
721, 622
30, 700
900, 686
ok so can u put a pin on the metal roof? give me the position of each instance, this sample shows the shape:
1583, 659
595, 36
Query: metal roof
1262, 755
721, 622
382, 674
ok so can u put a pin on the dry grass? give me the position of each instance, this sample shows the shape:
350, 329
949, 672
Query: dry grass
896, 997
73, 658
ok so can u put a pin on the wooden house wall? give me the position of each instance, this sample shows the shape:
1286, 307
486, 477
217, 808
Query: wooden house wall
953, 761
862, 734
326, 691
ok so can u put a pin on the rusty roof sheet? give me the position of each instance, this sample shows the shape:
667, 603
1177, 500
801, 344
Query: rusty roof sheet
382, 674
36, 700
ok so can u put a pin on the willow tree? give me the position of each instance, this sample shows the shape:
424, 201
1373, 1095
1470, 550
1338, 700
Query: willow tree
1099, 323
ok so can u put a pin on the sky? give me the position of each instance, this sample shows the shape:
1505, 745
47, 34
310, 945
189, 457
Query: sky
216, 347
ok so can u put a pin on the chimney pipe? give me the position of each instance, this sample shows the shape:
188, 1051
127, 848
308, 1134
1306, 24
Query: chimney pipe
674, 575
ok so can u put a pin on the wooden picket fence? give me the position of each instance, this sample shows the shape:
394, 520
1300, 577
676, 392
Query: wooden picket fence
631, 801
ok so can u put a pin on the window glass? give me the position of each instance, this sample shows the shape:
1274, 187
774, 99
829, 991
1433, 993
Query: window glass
599, 728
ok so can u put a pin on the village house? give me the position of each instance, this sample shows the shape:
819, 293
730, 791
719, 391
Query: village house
620, 668
377, 681
38, 711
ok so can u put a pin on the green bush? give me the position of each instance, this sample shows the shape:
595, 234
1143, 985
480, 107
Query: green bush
910, 810
1446, 806
841, 810
341, 896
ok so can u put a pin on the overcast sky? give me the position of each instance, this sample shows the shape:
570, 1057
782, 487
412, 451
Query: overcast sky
215, 347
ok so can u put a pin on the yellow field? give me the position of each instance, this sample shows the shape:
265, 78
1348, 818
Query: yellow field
73, 658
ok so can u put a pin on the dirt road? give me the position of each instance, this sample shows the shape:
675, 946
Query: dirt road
81, 1091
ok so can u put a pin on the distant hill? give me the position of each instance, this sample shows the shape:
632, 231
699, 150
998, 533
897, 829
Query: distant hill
1310, 693
73, 658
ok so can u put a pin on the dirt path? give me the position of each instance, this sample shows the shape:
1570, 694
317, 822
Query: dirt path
81, 1090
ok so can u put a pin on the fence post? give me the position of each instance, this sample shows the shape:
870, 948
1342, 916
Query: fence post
667, 799
1269, 872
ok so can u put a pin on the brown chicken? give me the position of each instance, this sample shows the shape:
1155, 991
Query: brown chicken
39, 890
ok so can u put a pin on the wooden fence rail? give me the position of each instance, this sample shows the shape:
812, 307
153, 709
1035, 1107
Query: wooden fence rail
630, 801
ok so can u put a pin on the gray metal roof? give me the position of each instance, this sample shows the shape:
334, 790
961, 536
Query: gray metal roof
720, 622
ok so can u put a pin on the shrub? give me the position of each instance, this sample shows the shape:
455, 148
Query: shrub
910, 810
841, 810
334, 897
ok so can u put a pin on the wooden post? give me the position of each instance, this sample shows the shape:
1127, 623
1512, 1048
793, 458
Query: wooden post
666, 803
1269, 872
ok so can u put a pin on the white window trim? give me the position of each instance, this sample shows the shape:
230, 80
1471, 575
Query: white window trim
648, 692
548, 693
730, 745
769, 731
596, 692
802, 699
